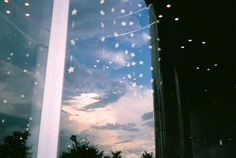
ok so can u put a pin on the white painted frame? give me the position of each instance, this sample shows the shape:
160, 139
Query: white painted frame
51, 108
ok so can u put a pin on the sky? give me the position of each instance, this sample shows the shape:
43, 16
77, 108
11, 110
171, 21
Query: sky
107, 95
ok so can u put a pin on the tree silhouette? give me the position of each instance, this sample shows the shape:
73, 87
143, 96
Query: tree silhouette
82, 149
147, 155
14, 146
114, 154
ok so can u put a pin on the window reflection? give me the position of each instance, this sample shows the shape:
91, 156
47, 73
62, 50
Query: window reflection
24, 38
107, 96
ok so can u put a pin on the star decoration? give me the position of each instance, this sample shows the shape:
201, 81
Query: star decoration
71, 69
128, 65
123, 23
102, 1
103, 39
117, 45
74, 11
133, 63
102, 13
139, 5
141, 62
134, 84
129, 76
102, 25
112, 10
132, 55
141, 75
131, 23
116, 34
122, 11
72, 42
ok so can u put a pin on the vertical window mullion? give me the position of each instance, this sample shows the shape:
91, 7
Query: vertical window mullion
51, 108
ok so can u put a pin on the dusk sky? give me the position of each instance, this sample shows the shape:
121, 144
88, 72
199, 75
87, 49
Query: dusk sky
107, 94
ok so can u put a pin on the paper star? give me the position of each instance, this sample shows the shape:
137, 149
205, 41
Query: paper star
117, 45
71, 69
132, 55
102, 1
116, 34
133, 63
103, 39
102, 25
122, 11
112, 10
131, 23
128, 65
134, 84
129, 76
140, 75
123, 23
72, 42
141, 62
74, 11
102, 13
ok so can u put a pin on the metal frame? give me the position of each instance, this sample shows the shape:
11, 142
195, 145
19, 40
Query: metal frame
51, 108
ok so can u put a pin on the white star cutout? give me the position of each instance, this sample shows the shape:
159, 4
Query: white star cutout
102, 13
128, 65
74, 11
103, 39
116, 34
129, 76
102, 1
133, 63
71, 69
131, 23
132, 55
122, 11
123, 23
117, 45
134, 84
141, 62
72, 42
4, 101
102, 25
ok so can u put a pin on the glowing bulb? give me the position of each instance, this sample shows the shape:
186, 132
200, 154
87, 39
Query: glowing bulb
176, 19
27, 14
6, 1
160, 16
27, 4
203, 42
208, 69
190, 40
8, 12
215, 65
168, 5
182, 47
197, 68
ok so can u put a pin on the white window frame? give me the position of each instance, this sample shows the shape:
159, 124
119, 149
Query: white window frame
51, 108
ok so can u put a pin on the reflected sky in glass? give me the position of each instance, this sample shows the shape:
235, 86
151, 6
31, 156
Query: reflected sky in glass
107, 94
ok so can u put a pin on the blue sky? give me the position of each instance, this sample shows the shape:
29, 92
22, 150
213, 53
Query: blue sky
108, 84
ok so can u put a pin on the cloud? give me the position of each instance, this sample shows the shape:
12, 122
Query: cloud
82, 100
117, 126
147, 116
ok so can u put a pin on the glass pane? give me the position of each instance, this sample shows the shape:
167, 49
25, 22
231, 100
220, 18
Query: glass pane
108, 96
24, 37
